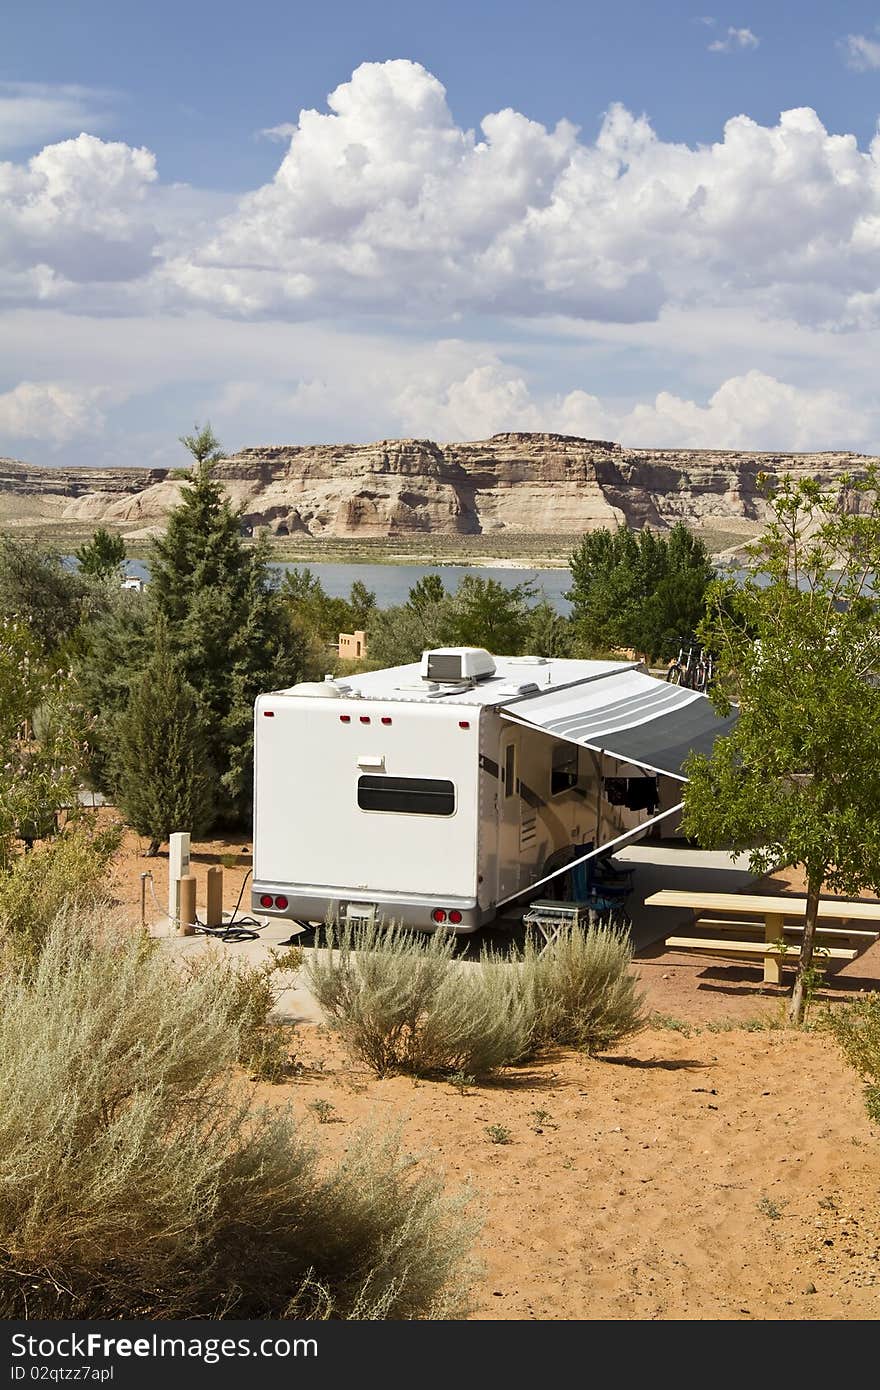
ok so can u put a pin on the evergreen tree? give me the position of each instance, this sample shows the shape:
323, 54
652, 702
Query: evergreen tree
163, 776
228, 629
102, 556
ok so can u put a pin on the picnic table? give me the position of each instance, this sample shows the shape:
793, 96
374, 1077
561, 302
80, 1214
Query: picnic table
762, 922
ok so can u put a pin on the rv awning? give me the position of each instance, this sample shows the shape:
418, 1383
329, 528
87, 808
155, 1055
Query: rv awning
630, 716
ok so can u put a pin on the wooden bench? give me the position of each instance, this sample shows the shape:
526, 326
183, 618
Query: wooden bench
753, 948
774, 917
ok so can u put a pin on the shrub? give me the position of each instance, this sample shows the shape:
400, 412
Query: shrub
401, 1005
139, 1182
582, 989
68, 872
264, 1043
856, 1027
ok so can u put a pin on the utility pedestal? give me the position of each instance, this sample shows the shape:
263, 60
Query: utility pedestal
178, 865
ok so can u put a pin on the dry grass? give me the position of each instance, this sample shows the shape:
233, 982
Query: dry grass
583, 990
140, 1180
402, 1005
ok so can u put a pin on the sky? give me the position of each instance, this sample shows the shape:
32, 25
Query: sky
644, 222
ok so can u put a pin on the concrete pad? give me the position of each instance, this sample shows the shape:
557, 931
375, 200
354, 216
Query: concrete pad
665, 865
296, 1004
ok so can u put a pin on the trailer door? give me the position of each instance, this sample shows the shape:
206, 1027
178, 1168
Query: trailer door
509, 815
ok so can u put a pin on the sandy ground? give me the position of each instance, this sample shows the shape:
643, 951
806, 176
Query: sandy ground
713, 1167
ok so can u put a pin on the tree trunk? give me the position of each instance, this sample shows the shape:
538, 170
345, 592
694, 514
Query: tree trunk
796, 1004
153, 849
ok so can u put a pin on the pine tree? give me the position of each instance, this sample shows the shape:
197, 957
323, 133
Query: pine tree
163, 776
231, 634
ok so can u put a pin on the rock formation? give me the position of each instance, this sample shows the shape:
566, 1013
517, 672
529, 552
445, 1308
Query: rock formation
526, 483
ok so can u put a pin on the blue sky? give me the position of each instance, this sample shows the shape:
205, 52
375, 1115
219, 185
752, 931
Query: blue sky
634, 244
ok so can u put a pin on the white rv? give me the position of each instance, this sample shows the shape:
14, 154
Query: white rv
438, 793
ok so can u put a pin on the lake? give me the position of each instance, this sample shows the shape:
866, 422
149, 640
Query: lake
392, 583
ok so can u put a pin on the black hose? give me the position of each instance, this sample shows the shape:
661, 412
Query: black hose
248, 928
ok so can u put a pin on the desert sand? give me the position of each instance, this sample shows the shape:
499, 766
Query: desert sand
716, 1166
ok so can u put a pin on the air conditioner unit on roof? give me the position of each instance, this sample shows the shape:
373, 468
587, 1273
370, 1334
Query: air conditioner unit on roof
451, 665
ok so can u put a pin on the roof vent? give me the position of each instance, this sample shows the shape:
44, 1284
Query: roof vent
324, 690
515, 688
457, 665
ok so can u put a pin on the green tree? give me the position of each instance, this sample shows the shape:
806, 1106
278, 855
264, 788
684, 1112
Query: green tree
313, 610
426, 591
40, 742
638, 589
484, 613
549, 633
361, 603
797, 782
228, 629
38, 590
111, 650
397, 636
102, 556
163, 775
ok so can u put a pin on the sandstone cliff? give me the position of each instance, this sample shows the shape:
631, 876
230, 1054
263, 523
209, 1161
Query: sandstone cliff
524, 483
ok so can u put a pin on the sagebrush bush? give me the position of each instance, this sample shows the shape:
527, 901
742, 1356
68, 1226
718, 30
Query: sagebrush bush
264, 1042
138, 1181
68, 872
582, 990
856, 1027
402, 1005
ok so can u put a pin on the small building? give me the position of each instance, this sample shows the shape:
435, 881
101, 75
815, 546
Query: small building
352, 646
134, 581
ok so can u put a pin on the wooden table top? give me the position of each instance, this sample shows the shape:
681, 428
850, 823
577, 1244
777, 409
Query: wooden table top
746, 904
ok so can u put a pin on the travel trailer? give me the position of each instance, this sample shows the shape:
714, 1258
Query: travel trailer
442, 793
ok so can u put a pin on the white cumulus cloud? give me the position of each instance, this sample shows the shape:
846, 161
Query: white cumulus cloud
751, 411
49, 412
734, 41
77, 212
385, 204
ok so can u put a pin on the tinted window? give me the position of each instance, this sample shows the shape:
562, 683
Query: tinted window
414, 796
564, 768
510, 769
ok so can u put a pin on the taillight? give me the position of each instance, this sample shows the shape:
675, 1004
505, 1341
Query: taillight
266, 900
464, 723
345, 718
385, 719
455, 916
365, 719
281, 901
438, 914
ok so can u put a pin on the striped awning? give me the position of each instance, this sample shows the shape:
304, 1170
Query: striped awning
630, 716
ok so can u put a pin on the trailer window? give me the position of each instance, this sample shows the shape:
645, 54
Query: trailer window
563, 768
509, 770
414, 796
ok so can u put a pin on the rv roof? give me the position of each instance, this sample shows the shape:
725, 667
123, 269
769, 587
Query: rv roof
511, 673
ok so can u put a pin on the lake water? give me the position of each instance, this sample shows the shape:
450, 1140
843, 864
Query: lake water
392, 583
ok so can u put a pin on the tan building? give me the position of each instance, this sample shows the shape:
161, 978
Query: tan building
352, 645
